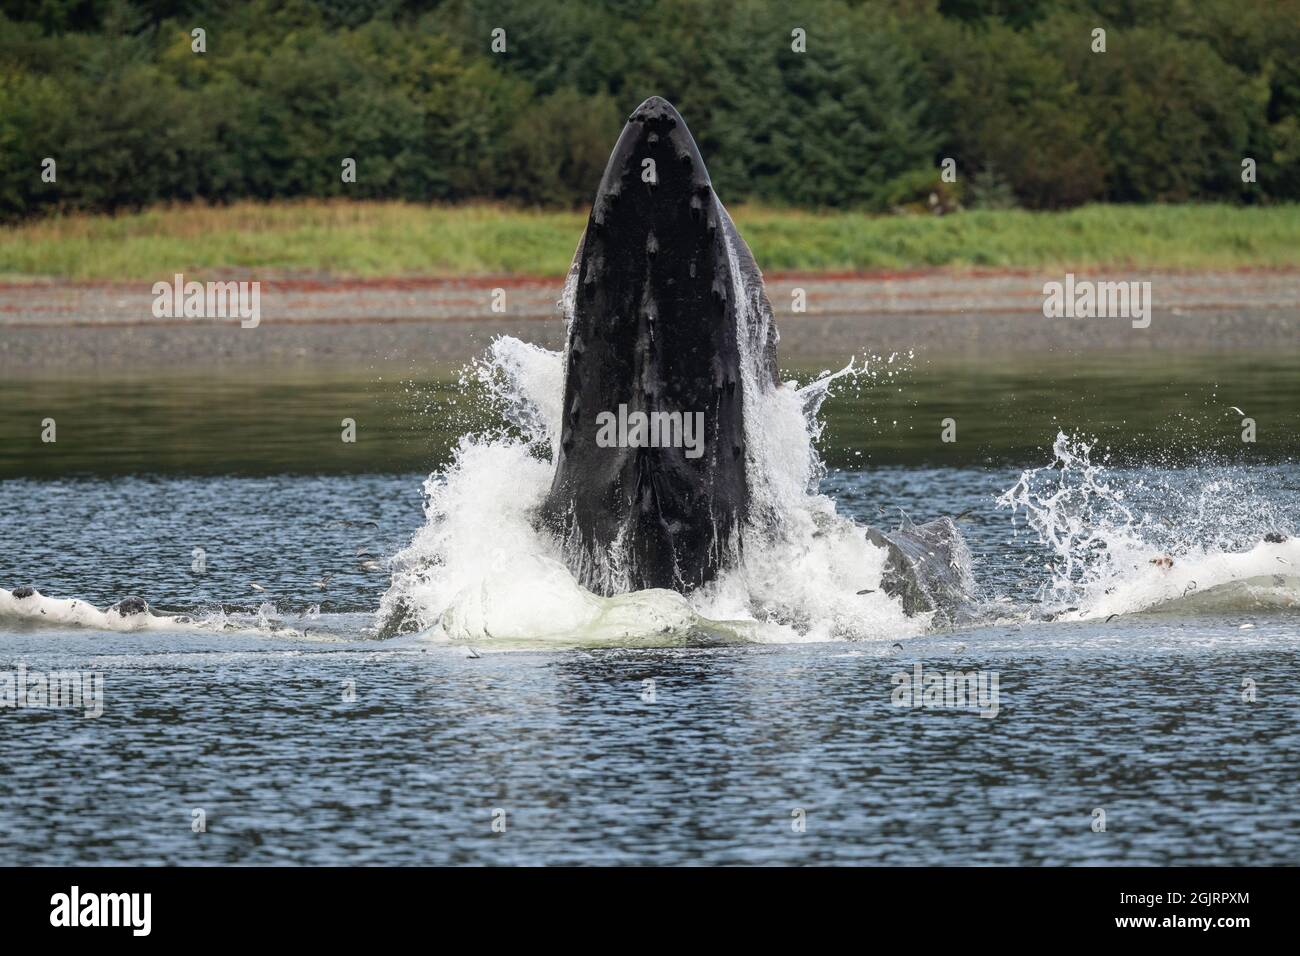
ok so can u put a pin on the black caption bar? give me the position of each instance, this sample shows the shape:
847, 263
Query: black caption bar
213, 905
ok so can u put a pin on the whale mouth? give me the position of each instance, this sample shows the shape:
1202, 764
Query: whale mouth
651, 453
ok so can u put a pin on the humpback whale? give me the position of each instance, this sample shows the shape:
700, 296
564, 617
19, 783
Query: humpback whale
656, 340
668, 456
667, 315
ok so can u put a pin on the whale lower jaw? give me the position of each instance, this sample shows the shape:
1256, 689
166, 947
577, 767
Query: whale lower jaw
641, 555
928, 569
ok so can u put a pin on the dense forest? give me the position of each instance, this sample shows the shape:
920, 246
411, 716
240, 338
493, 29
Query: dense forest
120, 96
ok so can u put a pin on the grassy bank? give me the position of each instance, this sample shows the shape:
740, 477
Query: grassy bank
392, 238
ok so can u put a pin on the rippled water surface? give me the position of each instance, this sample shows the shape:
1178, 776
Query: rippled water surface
1145, 723
1142, 717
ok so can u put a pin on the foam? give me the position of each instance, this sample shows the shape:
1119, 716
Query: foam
1124, 542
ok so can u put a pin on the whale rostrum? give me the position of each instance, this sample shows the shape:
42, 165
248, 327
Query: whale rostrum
650, 487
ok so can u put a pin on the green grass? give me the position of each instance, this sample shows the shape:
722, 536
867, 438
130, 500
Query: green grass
359, 239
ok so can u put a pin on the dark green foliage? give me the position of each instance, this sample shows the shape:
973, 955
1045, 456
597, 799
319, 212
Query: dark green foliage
989, 190
411, 90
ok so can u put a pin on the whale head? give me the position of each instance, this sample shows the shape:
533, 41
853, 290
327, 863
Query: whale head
666, 307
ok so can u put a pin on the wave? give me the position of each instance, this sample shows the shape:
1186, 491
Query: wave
29, 606
1132, 541
131, 614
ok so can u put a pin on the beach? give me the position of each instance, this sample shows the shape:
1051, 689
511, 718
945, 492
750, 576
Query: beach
411, 322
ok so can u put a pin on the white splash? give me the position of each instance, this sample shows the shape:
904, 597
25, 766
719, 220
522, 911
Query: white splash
480, 570
73, 612
1122, 542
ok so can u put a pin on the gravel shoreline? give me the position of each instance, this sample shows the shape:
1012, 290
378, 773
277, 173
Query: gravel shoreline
51, 327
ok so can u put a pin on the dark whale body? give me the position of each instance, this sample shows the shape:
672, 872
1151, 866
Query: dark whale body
657, 328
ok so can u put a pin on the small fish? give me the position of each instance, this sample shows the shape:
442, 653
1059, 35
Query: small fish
866, 591
1245, 627
362, 550
323, 582
255, 586
1237, 410
472, 654
1282, 559
959, 649
897, 646
1111, 618
1191, 586
369, 565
